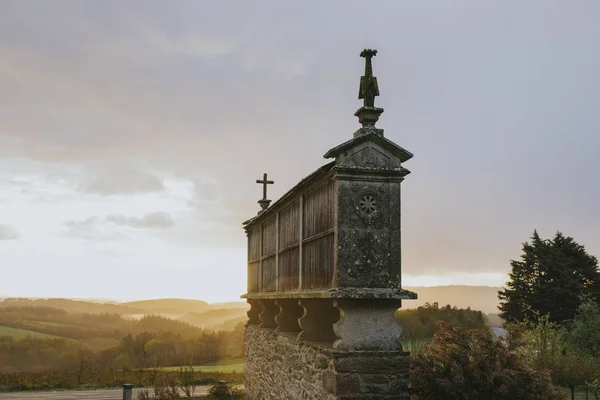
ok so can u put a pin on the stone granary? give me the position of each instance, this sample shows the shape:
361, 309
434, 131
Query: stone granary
324, 274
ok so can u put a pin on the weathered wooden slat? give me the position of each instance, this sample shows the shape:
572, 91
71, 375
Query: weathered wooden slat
253, 277
318, 207
254, 244
269, 276
277, 251
301, 236
317, 272
289, 220
317, 243
269, 241
289, 269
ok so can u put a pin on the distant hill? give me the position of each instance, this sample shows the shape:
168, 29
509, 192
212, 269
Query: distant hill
72, 306
217, 319
495, 320
232, 304
174, 308
170, 306
483, 298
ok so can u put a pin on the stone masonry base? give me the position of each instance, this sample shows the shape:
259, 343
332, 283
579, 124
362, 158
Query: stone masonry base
279, 367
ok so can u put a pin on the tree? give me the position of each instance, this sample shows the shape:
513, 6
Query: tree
465, 365
549, 279
571, 370
585, 329
553, 348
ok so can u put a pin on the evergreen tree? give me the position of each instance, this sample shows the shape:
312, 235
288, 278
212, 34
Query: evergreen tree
549, 280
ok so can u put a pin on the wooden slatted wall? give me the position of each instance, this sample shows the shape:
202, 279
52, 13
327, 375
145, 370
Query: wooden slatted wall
269, 241
302, 243
317, 254
289, 242
254, 253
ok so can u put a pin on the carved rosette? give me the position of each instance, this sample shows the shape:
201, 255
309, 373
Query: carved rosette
368, 205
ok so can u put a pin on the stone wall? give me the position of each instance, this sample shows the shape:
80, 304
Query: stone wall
279, 367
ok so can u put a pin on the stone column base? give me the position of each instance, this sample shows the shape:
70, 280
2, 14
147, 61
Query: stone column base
280, 367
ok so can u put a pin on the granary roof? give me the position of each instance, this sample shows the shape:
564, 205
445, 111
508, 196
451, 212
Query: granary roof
304, 182
374, 137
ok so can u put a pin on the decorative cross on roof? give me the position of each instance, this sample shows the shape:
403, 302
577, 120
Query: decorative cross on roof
264, 203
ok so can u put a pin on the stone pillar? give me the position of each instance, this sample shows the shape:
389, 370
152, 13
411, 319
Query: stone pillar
367, 325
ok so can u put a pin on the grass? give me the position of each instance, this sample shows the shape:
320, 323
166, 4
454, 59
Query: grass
579, 394
16, 333
232, 365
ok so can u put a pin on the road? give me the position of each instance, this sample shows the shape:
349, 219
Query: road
499, 332
100, 394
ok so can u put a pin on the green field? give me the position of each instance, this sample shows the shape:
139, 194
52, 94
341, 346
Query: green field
22, 333
233, 365
44, 323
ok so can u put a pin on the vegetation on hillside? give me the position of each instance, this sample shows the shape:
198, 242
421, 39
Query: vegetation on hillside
482, 298
47, 347
420, 324
72, 306
169, 306
216, 319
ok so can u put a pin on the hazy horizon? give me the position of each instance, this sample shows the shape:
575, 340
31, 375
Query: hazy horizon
482, 298
135, 299
131, 134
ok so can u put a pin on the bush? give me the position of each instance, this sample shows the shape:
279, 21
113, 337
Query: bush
222, 390
462, 365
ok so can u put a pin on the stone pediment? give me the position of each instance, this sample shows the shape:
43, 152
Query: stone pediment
369, 151
370, 157
380, 147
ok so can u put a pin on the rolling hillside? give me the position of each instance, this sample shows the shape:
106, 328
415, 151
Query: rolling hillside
72, 306
217, 319
169, 306
17, 334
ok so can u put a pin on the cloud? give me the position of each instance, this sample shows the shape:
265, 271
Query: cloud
289, 63
155, 220
91, 228
86, 223
205, 193
153, 43
120, 181
8, 233
105, 229
212, 92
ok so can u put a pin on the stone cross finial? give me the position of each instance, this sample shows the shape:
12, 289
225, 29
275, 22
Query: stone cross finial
368, 114
368, 83
264, 203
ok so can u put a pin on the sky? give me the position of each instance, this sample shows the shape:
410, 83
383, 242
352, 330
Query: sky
132, 133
